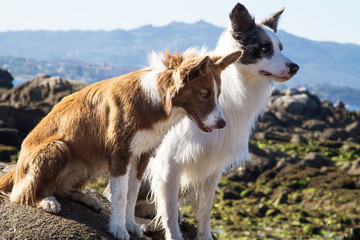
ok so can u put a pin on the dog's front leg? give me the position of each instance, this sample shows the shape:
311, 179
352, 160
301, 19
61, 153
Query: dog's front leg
165, 186
134, 185
204, 205
119, 189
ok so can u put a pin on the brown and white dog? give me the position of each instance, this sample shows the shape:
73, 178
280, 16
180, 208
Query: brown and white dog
115, 123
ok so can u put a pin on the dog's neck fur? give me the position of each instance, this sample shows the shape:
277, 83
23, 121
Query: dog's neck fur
244, 96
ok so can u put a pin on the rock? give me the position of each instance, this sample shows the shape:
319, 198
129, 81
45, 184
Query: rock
349, 146
272, 212
257, 151
272, 135
22, 107
5, 168
354, 234
75, 221
275, 92
353, 128
339, 104
282, 198
5, 79
296, 104
291, 92
315, 160
255, 167
354, 168
304, 90
10, 136
335, 134
20, 120
314, 124
262, 209
231, 194
346, 166
297, 139
41, 92
324, 169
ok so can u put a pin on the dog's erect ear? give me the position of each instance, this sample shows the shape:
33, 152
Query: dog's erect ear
273, 21
197, 69
241, 19
223, 62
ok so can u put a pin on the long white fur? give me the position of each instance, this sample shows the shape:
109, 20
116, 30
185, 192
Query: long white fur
192, 160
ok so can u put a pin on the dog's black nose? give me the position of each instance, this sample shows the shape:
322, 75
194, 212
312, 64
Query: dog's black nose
220, 123
293, 68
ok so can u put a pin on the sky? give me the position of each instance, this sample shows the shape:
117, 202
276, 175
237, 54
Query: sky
322, 20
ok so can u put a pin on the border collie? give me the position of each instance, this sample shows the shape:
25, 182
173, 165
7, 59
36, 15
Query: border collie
188, 162
115, 123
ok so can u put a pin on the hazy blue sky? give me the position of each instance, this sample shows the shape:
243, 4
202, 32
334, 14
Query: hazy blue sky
329, 20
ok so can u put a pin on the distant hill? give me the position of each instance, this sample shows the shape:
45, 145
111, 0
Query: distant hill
117, 47
321, 62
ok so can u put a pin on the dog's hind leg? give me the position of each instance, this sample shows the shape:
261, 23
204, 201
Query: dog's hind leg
205, 198
87, 199
36, 175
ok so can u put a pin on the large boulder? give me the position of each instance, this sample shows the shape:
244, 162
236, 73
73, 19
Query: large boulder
296, 103
75, 221
42, 92
22, 107
5, 79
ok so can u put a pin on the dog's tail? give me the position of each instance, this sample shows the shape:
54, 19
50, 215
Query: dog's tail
7, 181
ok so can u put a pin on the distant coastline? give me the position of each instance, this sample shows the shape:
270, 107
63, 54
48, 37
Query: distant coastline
22, 80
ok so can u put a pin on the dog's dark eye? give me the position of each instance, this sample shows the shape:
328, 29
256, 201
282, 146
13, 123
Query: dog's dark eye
264, 49
204, 93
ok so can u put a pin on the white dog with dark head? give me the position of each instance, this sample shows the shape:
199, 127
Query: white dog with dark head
190, 162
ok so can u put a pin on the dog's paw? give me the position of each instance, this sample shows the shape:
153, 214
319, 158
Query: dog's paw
119, 232
50, 205
96, 205
149, 228
169, 236
204, 236
132, 227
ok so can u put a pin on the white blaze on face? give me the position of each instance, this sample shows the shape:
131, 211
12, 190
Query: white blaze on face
216, 114
277, 65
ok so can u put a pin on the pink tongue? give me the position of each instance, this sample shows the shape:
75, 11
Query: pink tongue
201, 124
263, 73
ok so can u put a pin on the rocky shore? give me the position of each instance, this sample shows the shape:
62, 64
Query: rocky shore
23, 106
304, 177
303, 180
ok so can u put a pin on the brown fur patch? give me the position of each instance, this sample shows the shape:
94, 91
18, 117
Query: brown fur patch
7, 181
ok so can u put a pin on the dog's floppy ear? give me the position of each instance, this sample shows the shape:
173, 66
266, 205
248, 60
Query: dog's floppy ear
197, 69
241, 19
223, 62
273, 21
